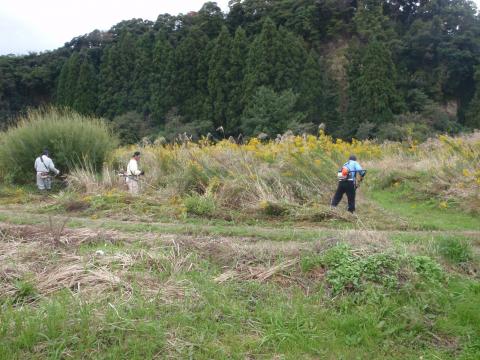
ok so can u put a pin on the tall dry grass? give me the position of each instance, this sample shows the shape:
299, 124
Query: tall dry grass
293, 171
446, 168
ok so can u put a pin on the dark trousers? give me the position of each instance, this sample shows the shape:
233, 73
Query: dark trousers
345, 187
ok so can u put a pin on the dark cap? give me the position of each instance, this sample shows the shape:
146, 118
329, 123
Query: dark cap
352, 157
45, 152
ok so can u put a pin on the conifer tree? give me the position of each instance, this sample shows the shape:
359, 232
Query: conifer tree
143, 74
163, 78
62, 83
116, 77
235, 76
218, 83
370, 20
191, 73
372, 92
472, 117
71, 80
261, 59
292, 55
86, 88
372, 76
318, 94
275, 59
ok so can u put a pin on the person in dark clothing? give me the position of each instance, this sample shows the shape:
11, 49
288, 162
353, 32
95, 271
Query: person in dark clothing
347, 182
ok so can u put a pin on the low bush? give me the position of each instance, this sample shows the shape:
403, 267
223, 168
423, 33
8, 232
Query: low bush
72, 139
196, 204
25, 291
350, 270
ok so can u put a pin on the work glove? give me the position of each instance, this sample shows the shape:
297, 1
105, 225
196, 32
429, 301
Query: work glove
58, 172
142, 172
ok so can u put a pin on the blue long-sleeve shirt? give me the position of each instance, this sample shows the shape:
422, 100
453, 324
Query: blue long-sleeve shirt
354, 168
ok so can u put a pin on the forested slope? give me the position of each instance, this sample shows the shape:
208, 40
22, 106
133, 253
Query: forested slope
390, 69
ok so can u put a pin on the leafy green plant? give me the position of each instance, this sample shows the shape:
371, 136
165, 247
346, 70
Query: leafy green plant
349, 270
427, 268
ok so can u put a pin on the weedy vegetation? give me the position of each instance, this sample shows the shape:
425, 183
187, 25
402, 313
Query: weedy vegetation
232, 251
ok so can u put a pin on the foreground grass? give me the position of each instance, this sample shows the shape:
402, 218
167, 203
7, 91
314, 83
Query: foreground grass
429, 314
407, 294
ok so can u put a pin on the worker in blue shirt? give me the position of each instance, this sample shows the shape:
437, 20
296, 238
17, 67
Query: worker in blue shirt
348, 182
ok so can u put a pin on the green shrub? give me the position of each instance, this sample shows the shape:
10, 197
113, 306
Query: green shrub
427, 268
25, 291
455, 250
308, 263
196, 204
273, 209
132, 127
355, 272
72, 139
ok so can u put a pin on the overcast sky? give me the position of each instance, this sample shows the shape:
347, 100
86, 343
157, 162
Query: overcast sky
38, 25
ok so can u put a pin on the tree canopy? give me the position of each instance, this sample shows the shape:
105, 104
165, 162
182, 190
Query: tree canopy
358, 66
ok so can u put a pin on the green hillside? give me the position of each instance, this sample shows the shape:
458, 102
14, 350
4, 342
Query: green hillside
366, 68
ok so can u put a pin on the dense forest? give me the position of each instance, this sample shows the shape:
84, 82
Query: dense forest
364, 68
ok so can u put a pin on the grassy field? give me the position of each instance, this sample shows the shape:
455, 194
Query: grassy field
103, 287
89, 272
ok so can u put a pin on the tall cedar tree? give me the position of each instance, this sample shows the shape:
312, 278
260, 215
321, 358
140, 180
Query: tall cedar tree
143, 74
116, 77
318, 94
218, 85
370, 20
235, 76
472, 118
163, 78
372, 73
191, 77
86, 88
372, 92
60, 97
275, 59
72, 78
